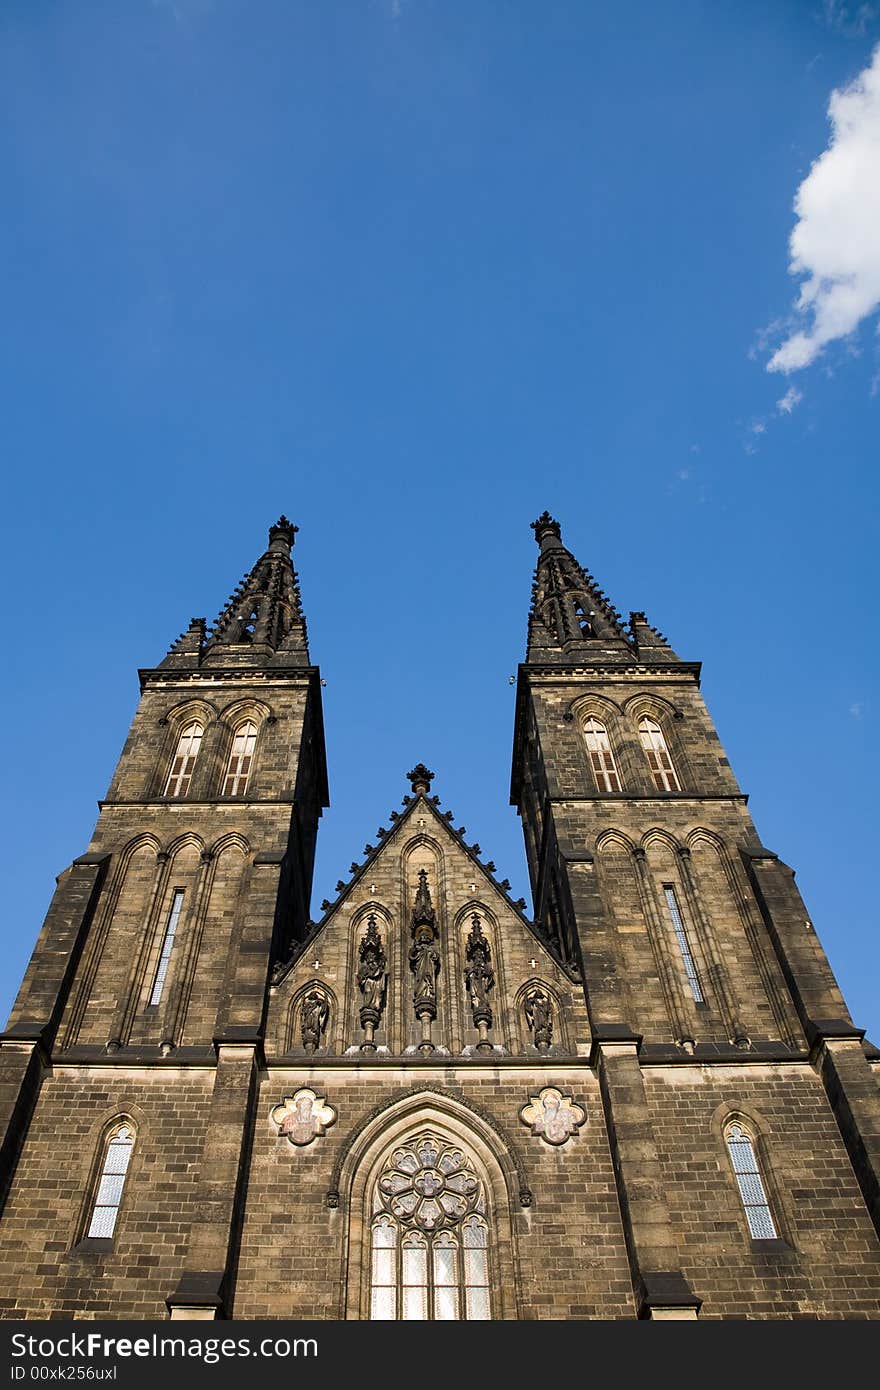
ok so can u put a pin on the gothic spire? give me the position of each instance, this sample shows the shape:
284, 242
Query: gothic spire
263, 621
570, 617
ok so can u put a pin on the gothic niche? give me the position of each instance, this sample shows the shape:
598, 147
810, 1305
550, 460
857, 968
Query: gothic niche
479, 980
314, 1016
372, 979
424, 961
539, 1016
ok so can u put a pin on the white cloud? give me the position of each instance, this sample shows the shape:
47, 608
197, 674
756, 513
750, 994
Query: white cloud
836, 241
788, 402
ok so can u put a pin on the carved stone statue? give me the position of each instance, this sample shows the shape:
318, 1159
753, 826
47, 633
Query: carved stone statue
539, 1016
315, 1013
372, 978
372, 971
479, 975
424, 962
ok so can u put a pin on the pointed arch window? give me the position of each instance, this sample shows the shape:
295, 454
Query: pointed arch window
684, 945
118, 1148
184, 759
167, 947
429, 1236
240, 759
752, 1191
657, 754
601, 756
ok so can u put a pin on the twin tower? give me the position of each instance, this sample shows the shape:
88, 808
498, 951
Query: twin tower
645, 1099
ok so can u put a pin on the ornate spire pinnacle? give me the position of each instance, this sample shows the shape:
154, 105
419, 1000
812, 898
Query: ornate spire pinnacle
187, 650
547, 531
570, 615
263, 621
421, 778
650, 644
423, 909
281, 535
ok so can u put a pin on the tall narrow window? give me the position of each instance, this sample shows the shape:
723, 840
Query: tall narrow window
750, 1183
657, 754
240, 759
684, 944
601, 756
429, 1236
167, 945
184, 760
108, 1195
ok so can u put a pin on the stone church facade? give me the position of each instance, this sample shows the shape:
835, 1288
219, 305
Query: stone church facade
646, 1099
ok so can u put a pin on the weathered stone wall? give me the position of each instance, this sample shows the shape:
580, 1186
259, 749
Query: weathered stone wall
564, 1254
827, 1264
48, 1269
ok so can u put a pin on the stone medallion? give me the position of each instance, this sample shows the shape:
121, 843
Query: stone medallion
552, 1115
303, 1117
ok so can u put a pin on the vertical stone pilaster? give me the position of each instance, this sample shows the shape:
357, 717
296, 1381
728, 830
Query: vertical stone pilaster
206, 1286
21, 1073
49, 975
606, 993
854, 1096
661, 1289
247, 976
804, 964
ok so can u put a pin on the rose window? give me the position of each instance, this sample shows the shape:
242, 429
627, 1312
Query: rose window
429, 1236
429, 1185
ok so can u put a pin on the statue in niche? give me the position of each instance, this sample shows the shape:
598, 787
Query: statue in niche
315, 1013
479, 975
539, 1016
372, 978
424, 962
372, 971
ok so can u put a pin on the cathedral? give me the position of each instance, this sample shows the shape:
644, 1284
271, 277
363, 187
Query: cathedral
643, 1097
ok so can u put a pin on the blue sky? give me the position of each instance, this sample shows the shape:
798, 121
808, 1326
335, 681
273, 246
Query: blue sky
411, 272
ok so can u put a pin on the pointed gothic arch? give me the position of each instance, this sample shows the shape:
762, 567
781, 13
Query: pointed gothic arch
293, 1039
370, 1154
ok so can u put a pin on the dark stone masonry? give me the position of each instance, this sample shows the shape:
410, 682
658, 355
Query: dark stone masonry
646, 1100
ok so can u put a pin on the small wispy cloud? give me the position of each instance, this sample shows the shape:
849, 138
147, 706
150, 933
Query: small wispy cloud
851, 20
184, 11
792, 398
857, 709
835, 241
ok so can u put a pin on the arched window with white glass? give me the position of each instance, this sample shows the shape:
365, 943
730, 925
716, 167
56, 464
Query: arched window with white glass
658, 755
429, 1235
750, 1181
601, 755
110, 1184
241, 757
183, 763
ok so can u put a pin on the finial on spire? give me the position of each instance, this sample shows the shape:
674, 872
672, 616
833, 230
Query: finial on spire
421, 778
546, 527
281, 534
